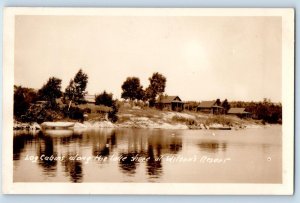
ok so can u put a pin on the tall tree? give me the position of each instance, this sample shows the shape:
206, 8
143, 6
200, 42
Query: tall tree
105, 99
75, 91
132, 89
80, 80
51, 91
156, 87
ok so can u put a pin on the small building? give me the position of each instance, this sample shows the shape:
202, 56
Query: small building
90, 99
210, 107
240, 112
191, 105
171, 103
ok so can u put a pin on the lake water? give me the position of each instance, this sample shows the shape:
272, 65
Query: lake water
149, 155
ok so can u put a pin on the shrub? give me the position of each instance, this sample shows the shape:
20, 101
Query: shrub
73, 113
87, 110
104, 99
112, 115
23, 97
40, 112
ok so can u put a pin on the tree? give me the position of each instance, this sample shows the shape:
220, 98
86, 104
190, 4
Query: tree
50, 91
225, 105
23, 97
112, 115
80, 81
70, 91
104, 99
156, 87
218, 102
132, 89
75, 91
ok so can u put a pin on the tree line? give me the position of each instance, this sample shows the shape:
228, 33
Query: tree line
265, 110
133, 90
42, 105
28, 105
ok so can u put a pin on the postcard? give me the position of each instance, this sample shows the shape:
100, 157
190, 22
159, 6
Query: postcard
172, 101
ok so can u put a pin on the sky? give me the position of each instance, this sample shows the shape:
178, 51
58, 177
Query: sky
203, 58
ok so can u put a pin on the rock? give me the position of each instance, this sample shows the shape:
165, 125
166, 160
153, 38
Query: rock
35, 126
79, 125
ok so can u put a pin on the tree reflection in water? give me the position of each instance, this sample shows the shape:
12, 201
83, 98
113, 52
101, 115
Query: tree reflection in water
73, 168
46, 148
103, 145
152, 147
154, 165
127, 165
20, 141
103, 142
212, 146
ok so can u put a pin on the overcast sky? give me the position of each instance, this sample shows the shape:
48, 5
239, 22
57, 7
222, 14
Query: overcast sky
203, 58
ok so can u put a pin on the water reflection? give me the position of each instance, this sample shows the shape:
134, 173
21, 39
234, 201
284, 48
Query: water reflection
73, 168
212, 146
154, 165
45, 149
20, 142
143, 149
126, 164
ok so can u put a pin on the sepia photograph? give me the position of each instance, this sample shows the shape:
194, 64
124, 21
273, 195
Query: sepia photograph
150, 101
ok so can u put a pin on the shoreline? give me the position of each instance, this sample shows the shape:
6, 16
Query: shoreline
144, 123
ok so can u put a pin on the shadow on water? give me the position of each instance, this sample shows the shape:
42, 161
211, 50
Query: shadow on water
212, 146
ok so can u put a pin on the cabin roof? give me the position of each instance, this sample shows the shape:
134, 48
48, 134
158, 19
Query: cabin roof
207, 104
169, 99
237, 111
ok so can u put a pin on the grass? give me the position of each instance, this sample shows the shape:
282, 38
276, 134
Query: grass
123, 119
219, 119
146, 112
187, 121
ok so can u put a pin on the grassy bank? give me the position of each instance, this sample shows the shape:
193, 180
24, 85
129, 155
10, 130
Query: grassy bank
137, 117
153, 118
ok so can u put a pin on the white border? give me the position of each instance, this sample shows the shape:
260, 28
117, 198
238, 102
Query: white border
286, 188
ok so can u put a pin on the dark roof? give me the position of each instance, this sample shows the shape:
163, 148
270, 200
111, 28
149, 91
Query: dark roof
237, 111
170, 99
207, 104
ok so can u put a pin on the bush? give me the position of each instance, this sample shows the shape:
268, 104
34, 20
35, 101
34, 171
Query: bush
40, 112
74, 113
112, 115
87, 110
23, 97
104, 99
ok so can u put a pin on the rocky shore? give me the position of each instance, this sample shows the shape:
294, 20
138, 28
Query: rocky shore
162, 120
